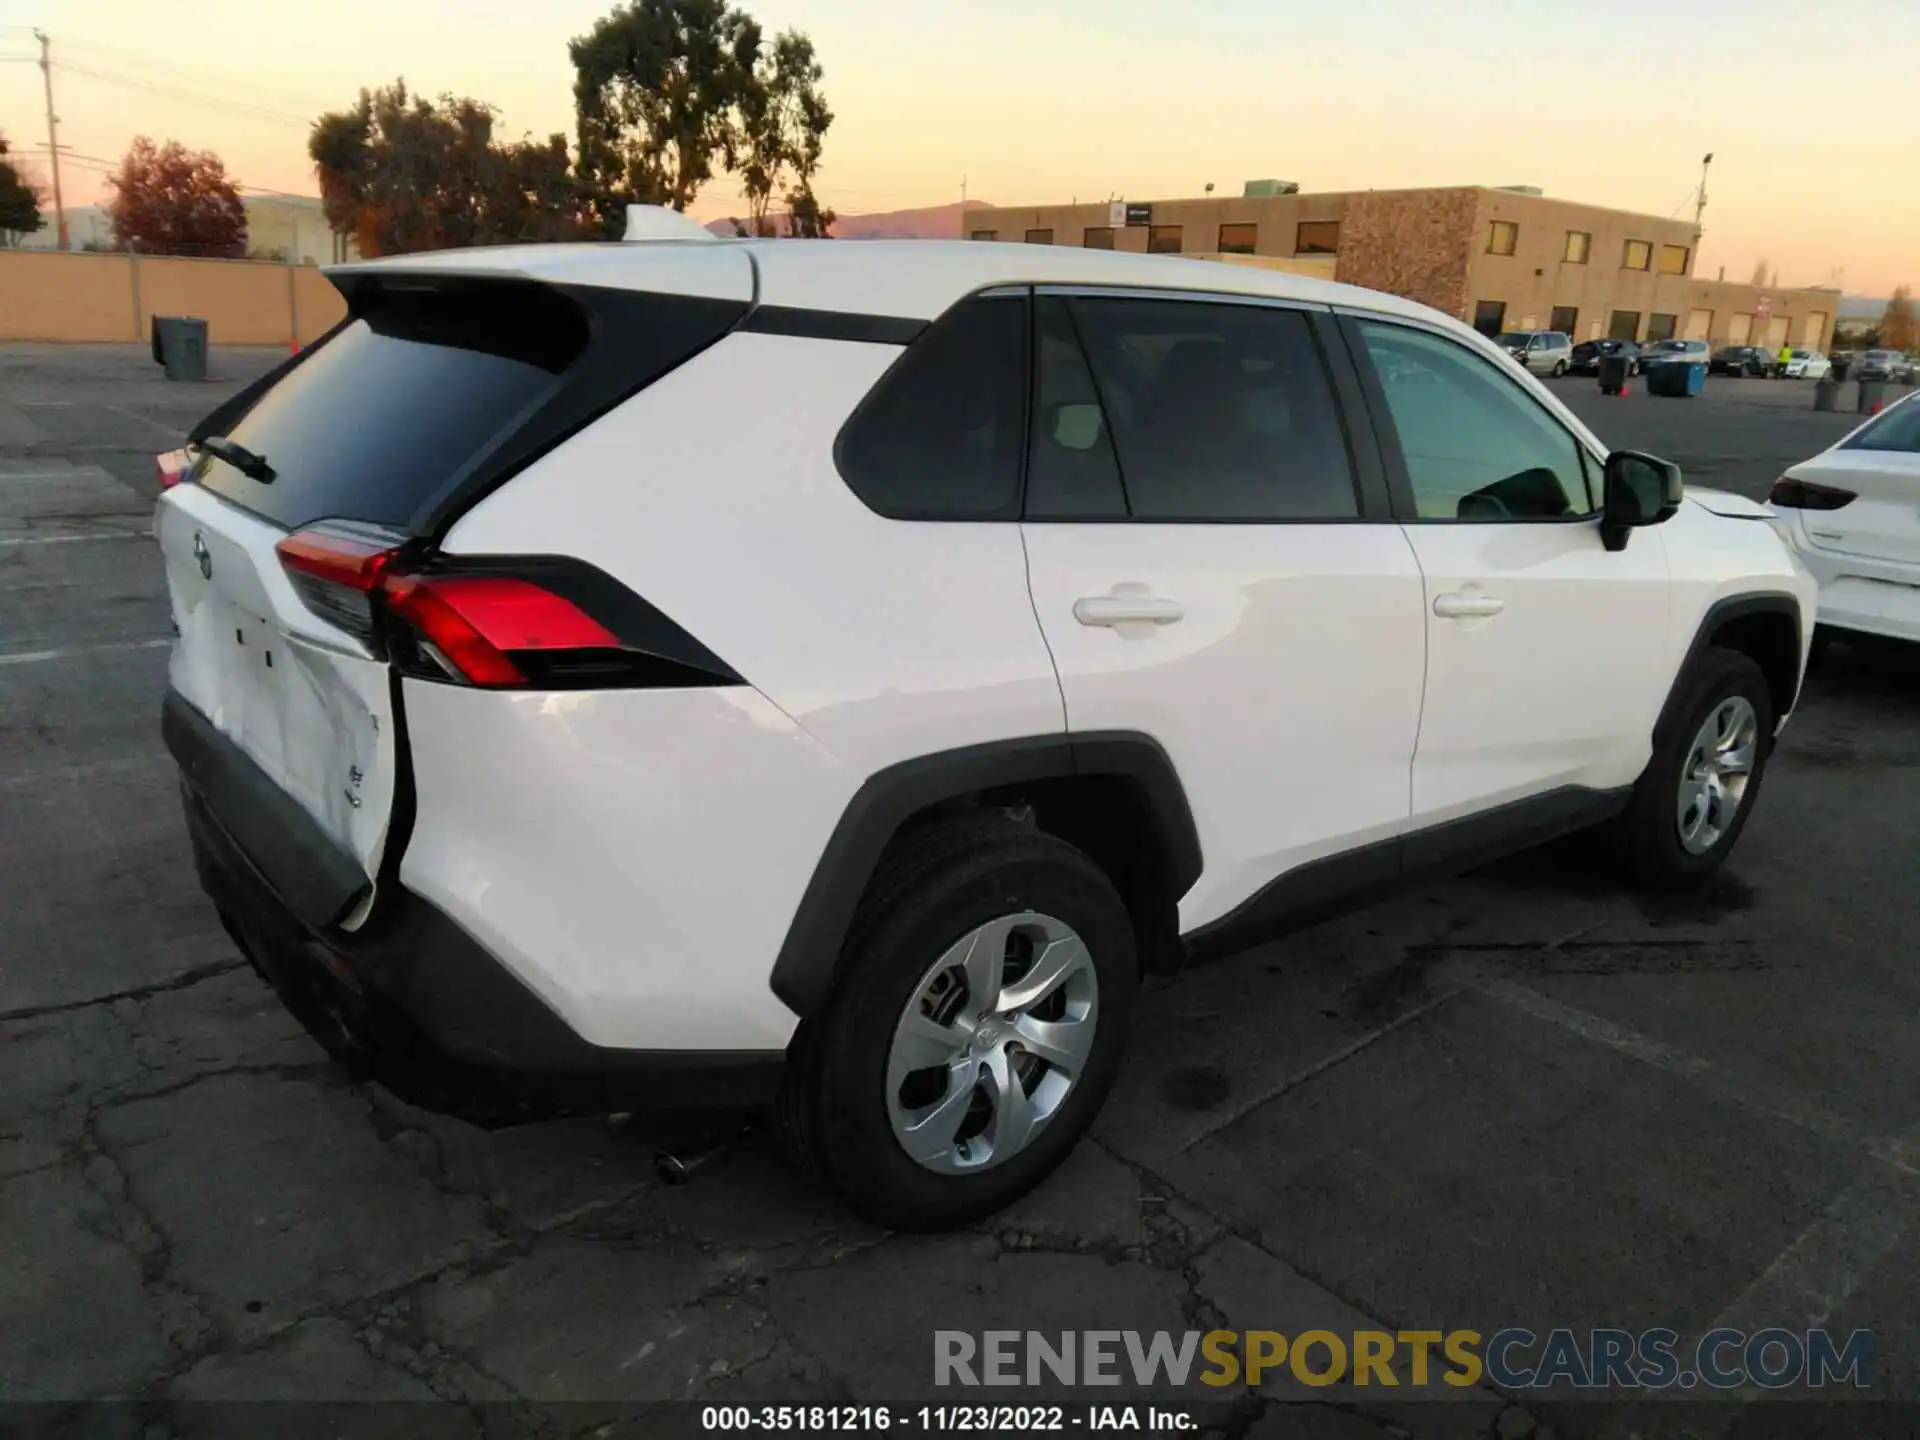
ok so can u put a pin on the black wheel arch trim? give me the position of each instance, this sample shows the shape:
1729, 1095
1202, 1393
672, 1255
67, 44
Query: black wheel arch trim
804, 970
1736, 607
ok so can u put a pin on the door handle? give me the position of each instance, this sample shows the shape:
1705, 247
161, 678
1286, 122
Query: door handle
1126, 609
1466, 607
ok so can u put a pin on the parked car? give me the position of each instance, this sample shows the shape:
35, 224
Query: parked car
1662, 351
1806, 365
1741, 360
1545, 352
1882, 365
1585, 359
661, 744
1850, 514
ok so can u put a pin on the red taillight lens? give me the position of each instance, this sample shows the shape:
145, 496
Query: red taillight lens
468, 623
1791, 494
336, 569
171, 468
485, 630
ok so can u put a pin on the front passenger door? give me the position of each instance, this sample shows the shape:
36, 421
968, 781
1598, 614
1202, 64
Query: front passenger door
1546, 652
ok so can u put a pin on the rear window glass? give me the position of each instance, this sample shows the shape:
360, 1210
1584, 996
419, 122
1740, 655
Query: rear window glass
1898, 429
418, 385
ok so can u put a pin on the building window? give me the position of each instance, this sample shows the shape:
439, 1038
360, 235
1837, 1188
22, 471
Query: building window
1097, 237
1490, 316
1238, 239
984, 235
1661, 327
1625, 325
1039, 237
1565, 317
1673, 259
1638, 256
1163, 239
1579, 246
1502, 236
1316, 237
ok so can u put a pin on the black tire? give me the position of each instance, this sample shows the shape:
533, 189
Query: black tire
1646, 836
1559, 368
933, 887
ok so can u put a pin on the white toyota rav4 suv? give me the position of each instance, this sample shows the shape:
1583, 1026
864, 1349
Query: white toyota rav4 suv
832, 674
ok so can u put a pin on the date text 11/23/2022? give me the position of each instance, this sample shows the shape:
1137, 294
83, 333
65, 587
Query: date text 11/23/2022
968, 1419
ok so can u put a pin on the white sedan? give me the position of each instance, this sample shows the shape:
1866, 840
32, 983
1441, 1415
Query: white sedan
1852, 513
1807, 365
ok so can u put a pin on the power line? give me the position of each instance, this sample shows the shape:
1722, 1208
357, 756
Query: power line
223, 81
176, 92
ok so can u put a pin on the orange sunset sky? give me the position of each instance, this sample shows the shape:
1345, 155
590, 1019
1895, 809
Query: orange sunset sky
1809, 107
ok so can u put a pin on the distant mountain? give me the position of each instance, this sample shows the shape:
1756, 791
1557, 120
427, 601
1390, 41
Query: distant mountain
1862, 307
930, 222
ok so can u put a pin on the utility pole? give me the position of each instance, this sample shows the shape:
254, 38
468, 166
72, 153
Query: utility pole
1700, 196
53, 140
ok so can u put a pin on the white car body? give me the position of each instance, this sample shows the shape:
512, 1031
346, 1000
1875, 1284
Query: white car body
1807, 365
1852, 513
648, 858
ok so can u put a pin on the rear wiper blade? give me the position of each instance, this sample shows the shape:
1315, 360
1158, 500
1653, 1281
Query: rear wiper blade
242, 459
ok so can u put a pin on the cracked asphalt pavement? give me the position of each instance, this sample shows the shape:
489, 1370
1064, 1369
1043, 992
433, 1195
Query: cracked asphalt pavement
1524, 1097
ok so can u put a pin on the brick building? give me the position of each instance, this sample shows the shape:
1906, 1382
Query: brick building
1501, 259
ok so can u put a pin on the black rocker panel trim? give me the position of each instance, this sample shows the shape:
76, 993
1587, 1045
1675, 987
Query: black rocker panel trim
803, 972
1337, 884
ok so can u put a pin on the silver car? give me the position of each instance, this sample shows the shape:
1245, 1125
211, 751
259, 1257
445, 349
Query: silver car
1545, 352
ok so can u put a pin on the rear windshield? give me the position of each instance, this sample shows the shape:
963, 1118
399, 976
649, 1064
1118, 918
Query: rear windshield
414, 388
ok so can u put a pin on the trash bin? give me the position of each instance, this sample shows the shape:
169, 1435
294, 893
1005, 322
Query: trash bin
1840, 368
1826, 393
180, 344
1613, 374
1677, 379
1873, 394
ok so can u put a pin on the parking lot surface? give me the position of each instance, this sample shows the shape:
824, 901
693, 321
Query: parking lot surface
1525, 1097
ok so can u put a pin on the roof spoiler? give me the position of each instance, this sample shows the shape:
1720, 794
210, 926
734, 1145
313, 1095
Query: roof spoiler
657, 222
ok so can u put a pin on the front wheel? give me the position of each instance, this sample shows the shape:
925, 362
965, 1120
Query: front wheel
1559, 368
1694, 797
978, 1017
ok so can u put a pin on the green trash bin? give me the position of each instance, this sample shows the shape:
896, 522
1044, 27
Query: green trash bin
1873, 394
180, 344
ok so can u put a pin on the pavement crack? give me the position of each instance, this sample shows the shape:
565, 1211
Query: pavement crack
185, 980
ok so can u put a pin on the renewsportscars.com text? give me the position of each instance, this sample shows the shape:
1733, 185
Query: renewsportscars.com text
1513, 1359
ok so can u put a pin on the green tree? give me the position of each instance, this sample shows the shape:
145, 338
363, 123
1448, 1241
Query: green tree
668, 93
401, 173
1899, 326
783, 122
19, 200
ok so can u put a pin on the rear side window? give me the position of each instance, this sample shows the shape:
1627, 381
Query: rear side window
1072, 473
939, 438
415, 387
1898, 430
1217, 411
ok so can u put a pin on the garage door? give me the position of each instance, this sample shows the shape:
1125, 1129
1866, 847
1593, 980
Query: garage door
1699, 325
1776, 333
1741, 330
1813, 333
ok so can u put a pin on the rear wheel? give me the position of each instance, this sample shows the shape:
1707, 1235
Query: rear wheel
1694, 797
977, 1021
1559, 368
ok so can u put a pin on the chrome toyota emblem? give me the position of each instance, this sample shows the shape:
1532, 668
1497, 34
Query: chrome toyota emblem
203, 555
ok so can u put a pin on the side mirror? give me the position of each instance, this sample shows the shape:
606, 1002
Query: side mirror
1640, 490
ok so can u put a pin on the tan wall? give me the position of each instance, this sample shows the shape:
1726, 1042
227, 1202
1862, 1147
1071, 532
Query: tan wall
1410, 242
1276, 216
106, 298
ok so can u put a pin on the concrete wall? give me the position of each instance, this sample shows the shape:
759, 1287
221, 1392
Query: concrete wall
109, 298
1275, 217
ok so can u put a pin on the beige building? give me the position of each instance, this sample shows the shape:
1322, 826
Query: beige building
1499, 259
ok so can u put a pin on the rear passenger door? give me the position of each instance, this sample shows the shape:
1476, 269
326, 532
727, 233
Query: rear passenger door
1212, 561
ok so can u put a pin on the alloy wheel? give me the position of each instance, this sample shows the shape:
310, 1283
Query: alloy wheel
993, 1039
1716, 773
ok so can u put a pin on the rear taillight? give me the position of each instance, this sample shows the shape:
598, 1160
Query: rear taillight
494, 630
1791, 494
171, 468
